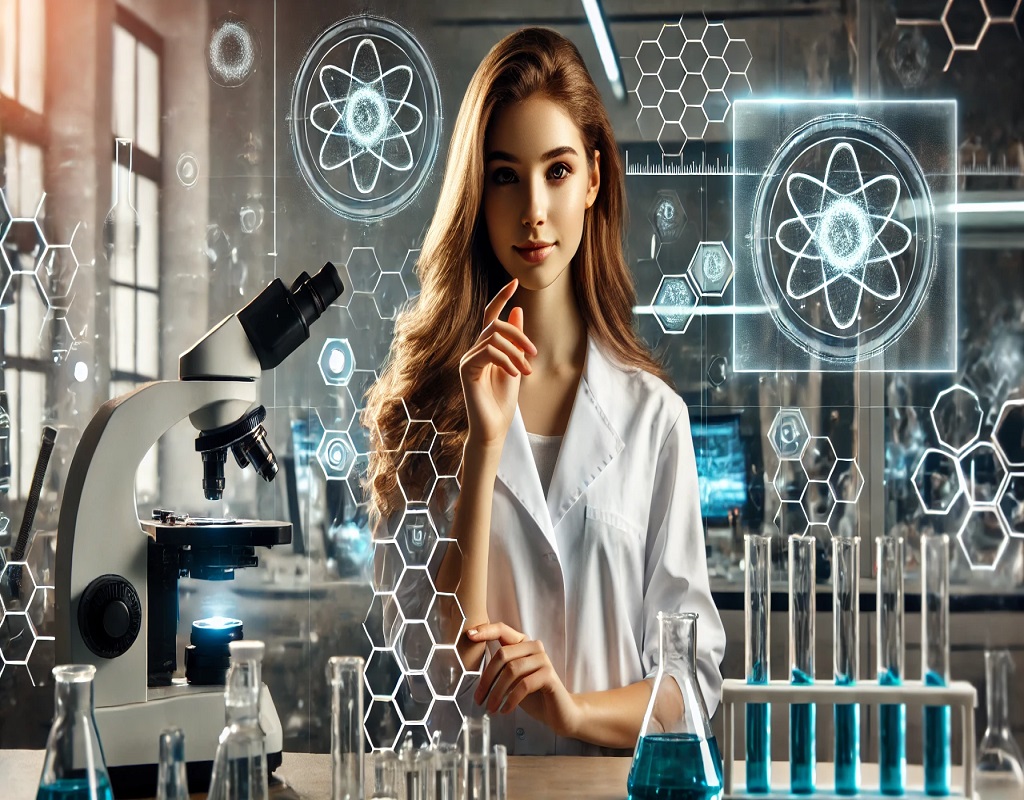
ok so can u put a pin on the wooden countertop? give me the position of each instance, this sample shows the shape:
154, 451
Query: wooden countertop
304, 776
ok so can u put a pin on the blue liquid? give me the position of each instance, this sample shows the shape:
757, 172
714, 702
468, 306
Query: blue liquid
847, 721
675, 766
892, 741
759, 738
936, 744
801, 740
75, 789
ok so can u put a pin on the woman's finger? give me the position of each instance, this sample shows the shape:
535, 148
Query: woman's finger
512, 333
502, 657
521, 690
497, 303
485, 354
509, 349
496, 632
513, 675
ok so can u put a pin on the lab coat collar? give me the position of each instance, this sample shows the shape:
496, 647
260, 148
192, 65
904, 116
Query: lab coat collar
589, 445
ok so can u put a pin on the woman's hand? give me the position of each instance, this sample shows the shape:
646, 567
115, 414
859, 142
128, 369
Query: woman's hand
520, 673
491, 370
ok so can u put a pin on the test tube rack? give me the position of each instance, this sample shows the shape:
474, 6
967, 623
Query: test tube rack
958, 695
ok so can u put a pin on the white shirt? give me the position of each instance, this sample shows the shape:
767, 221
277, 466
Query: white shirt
545, 454
586, 566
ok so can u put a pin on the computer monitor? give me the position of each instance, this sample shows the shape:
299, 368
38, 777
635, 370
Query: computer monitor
721, 466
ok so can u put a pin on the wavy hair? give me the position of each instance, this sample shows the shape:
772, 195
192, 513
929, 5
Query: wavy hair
459, 271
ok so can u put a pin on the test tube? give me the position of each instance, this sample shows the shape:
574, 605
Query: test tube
476, 749
801, 660
845, 621
447, 760
383, 775
500, 772
892, 719
757, 613
345, 676
935, 659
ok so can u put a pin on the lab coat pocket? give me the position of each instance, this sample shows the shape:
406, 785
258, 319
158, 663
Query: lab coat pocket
613, 553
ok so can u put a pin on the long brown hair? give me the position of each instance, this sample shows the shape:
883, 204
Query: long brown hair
459, 272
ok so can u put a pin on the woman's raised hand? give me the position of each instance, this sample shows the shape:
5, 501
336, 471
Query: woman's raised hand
492, 368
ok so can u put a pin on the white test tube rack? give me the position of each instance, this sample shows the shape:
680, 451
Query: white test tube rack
958, 695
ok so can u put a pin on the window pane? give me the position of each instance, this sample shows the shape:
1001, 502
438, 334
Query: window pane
24, 177
30, 427
8, 45
122, 329
124, 83
148, 257
149, 334
149, 100
32, 53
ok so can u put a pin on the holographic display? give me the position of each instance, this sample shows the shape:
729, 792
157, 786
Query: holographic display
845, 247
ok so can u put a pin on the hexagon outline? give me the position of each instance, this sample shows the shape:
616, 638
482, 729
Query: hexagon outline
1002, 481
731, 268
1004, 411
969, 46
799, 416
349, 366
959, 481
982, 509
938, 433
689, 311
343, 472
854, 467
40, 266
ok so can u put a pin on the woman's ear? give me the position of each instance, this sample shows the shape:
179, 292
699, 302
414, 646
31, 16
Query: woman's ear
595, 179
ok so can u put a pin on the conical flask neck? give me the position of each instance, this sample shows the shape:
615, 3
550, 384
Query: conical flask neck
678, 643
242, 696
74, 698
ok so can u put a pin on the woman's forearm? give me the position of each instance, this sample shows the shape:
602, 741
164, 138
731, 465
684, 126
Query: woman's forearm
612, 718
466, 577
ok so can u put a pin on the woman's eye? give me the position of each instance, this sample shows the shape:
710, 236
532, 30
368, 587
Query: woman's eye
560, 172
503, 175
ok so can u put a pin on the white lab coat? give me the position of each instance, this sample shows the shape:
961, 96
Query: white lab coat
618, 539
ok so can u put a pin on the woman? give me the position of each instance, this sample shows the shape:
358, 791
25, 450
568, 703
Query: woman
578, 517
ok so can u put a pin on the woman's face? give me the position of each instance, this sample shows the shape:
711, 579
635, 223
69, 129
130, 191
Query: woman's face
537, 186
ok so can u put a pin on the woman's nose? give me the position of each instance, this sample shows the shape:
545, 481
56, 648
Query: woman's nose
535, 209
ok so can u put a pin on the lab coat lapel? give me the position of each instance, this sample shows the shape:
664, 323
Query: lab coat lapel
590, 441
518, 471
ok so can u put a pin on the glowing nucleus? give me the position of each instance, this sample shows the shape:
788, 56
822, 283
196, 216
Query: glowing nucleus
233, 52
361, 117
843, 236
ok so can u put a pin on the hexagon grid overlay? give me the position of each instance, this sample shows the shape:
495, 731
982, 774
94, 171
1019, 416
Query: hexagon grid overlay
965, 23
23, 604
987, 473
690, 76
366, 117
842, 246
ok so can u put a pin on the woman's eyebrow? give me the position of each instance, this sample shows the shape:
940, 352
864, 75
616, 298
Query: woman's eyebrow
501, 155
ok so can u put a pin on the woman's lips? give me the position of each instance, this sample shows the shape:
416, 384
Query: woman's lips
534, 255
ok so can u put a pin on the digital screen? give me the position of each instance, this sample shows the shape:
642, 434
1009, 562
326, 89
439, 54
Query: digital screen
721, 466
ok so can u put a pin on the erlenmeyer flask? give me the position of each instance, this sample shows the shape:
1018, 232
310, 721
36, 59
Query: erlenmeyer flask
1000, 771
74, 768
677, 756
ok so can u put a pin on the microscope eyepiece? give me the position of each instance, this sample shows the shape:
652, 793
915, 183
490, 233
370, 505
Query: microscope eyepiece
277, 320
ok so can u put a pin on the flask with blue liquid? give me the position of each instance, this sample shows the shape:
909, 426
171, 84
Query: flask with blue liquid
74, 768
677, 755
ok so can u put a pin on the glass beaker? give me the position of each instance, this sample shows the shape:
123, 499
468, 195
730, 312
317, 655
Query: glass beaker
240, 766
757, 617
74, 767
677, 755
1000, 771
172, 779
476, 752
935, 659
802, 557
345, 676
892, 719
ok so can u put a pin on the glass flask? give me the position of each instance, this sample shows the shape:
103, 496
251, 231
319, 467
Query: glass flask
802, 559
240, 765
935, 659
1000, 771
172, 782
892, 719
677, 755
74, 768
345, 676
757, 616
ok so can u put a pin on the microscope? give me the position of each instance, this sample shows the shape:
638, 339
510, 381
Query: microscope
117, 577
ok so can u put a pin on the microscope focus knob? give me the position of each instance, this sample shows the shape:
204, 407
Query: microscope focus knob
109, 616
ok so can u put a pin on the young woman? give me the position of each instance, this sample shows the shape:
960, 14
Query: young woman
578, 518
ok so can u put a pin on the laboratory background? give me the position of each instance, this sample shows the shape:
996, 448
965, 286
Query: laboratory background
826, 231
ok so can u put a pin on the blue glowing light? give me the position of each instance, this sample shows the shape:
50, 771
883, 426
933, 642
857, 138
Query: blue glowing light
217, 623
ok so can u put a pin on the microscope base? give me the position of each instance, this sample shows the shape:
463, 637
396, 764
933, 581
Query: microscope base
130, 735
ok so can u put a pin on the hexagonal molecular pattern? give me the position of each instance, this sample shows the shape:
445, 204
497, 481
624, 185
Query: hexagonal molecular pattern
363, 269
445, 720
22, 245
788, 434
382, 673
791, 518
336, 454
1011, 505
818, 458
983, 538
937, 481
337, 363
983, 473
1008, 434
415, 590
417, 476
383, 621
56, 274
390, 295
674, 304
445, 619
416, 537
444, 671
956, 415
965, 23
17, 586
414, 699
387, 565
817, 502
414, 646
846, 481
17, 636
667, 216
382, 724
711, 268
697, 50
789, 481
